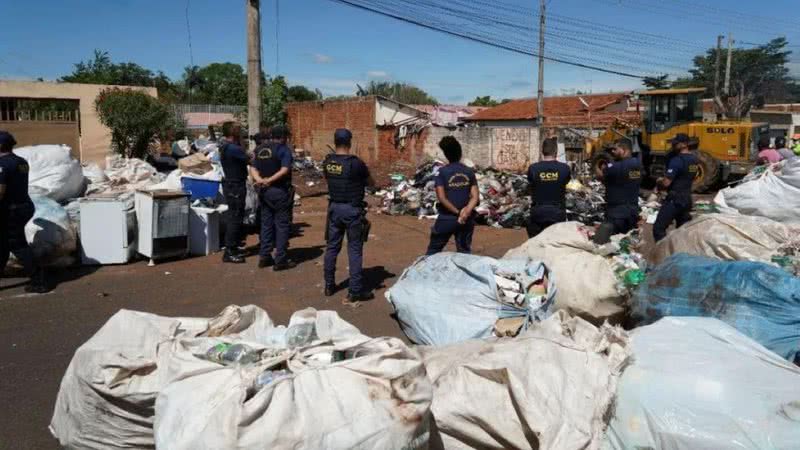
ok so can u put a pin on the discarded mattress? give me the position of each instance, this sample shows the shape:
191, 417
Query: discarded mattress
552, 387
759, 300
108, 393
54, 173
727, 237
451, 297
589, 287
775, 195
696, 383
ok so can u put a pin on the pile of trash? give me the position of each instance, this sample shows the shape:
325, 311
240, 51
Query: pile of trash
504, 203
788, 256
772, 192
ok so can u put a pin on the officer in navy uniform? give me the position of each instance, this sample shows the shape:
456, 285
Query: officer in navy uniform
682, 168
547, 180
457, 192
235, 161
16, 210
272, 172
347, 178
623, 179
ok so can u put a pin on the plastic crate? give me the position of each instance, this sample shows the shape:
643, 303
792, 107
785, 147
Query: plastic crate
198, 188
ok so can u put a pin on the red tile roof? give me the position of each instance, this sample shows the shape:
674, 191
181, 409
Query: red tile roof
525, 109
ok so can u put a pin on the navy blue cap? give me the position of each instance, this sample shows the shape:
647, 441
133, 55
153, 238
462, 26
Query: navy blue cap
279, 132
342, 136
680, 138
7, 140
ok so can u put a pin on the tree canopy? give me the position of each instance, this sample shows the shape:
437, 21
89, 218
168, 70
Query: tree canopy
487, 101
399, 92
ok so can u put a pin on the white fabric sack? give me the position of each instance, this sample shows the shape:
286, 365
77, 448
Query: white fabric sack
51, 235
107, 395
697, 383
586, 281
772, 195
726, 237
124, 175
378, 398
552, 387
53, 172
451, 297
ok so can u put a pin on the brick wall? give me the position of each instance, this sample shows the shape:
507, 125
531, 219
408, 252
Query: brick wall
313, 123
509, 148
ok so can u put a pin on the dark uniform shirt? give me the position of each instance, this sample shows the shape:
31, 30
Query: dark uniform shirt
548, 180
347, 178
682, 169
234, 162
623, 180
270, 158
457, 180
14, 175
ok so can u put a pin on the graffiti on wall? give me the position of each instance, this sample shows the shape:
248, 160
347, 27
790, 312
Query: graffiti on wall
511, 149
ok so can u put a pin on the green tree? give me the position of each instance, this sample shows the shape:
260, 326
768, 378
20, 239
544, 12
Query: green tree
484, 101
300, 93
135, 119
273, 101
399, 92
220, 84
660, 82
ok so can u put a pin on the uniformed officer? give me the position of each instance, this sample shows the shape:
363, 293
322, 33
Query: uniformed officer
681, 171
16, 210
347, 178
623, 179
234, 160
548, 180
457, 193
272, 172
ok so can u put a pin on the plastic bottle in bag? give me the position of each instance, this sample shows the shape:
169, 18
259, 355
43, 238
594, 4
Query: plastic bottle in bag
270, 376
224, 353
300, 334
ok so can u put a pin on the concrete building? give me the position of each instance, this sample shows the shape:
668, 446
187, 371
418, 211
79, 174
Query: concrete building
783, 119
80, 129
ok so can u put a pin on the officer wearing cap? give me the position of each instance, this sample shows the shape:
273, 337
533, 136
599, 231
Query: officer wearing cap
234, 160
16, 210
623, 179
347, 178
681, 171
272, 172
547, 180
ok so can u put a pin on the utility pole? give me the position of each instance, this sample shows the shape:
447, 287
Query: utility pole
253, 68
719, 63
540, 98
728, 66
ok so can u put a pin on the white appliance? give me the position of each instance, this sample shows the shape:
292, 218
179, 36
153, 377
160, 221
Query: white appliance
204, 230
108, 229
163, 218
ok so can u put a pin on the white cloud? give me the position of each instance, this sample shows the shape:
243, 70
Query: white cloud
377, 74
319, 58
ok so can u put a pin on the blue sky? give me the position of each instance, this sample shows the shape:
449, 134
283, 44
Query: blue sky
332, 47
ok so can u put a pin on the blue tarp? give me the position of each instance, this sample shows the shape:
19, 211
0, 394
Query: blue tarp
759, 300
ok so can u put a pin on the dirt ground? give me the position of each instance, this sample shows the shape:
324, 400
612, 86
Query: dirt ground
39, 334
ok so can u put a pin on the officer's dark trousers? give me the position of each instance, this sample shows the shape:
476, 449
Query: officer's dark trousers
276, 207
12, 236
542, 217
619, 220
345, 219
235, 193
674, 208
447, 225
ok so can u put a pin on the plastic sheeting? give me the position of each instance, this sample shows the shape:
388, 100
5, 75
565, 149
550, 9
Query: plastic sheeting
552, 387
53, 172
589, 287
727, 237
696, 383
759, 300
451, 297
775, 195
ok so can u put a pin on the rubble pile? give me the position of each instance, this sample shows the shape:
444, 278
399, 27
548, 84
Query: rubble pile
788, 256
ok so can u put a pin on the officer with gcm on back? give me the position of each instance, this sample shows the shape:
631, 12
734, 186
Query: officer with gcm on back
682, 168
547, 181
623, 179
272, 174
347, 178
234, 160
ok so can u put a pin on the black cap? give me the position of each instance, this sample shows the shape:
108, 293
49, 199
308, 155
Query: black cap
342, 136
279, 132
7, 140
260, 138
680, 138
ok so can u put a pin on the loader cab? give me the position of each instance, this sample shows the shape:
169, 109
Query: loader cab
668, 108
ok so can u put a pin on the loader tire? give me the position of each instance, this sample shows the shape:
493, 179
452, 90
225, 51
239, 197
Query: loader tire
708, 175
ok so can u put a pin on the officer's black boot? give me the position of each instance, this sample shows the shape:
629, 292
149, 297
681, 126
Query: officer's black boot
285, 265
265, 262
360, 296
330, 289
231, 257
38, 284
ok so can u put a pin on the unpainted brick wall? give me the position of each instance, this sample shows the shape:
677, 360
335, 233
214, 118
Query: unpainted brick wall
482, 146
